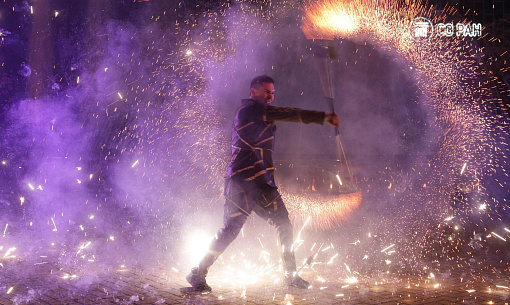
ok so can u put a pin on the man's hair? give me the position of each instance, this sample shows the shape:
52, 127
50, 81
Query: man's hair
257, 81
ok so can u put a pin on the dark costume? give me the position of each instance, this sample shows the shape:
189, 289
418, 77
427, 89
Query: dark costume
250, 184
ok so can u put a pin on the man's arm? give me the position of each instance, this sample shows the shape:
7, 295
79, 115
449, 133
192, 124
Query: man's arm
272, 113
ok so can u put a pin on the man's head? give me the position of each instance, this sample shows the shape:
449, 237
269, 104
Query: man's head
262, 89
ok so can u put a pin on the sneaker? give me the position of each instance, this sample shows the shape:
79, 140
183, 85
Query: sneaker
197, 280
297, 282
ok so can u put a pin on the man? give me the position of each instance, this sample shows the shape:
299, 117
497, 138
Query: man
250, 184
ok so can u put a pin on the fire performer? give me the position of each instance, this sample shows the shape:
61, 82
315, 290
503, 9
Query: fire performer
250, 184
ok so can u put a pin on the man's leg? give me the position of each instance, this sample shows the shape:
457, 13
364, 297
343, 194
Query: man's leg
273, 210
233, 221
236, 211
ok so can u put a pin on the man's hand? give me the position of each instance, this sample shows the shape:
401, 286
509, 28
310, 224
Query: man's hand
332, 119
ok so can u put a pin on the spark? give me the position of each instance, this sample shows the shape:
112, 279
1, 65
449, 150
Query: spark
5, 230
56, 14
120, 96
323, 211
463, 168
387, 247
339, 181
134, 164
78, 80
498, 236
31, 187
347, 267
10, 290
9, 251
22, 200
331, 260
482, 206
84, 246
54, 225
507, 230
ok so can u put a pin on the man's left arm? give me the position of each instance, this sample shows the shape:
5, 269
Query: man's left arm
285, 114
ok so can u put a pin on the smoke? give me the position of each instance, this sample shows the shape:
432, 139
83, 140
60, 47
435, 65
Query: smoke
121, 160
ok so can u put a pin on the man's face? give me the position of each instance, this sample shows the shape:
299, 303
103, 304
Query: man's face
263, 93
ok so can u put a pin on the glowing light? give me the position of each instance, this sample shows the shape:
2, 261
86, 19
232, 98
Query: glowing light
482, 206
56, 14
331, 260
10, 290
387, 247
85, 245
6, 225
197, 246
120, 96
463, 168
54, 225
8, 253
31, 187
324, 20
323, 211
339, 181
4, 163
134, 164
498, 236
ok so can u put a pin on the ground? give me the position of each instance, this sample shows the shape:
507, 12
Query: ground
477, 282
